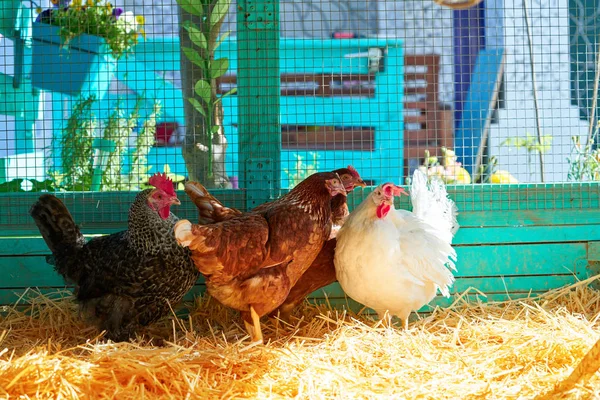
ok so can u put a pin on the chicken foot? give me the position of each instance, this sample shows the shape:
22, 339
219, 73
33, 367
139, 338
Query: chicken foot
253, 328
386, 319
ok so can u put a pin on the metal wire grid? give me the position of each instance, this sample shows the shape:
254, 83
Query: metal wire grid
506, 86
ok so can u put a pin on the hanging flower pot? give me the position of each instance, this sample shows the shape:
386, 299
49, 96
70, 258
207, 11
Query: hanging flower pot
76, 45
84, 65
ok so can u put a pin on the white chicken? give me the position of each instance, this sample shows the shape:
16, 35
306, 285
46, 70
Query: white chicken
392, 260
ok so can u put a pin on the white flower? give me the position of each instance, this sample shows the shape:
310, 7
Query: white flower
127, 22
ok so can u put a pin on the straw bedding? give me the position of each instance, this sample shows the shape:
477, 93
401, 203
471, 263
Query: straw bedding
518, 349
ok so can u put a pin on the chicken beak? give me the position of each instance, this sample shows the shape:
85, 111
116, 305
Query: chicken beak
175, 201
360, 183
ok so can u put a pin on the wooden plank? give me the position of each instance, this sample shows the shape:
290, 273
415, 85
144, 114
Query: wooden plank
347, 303
594, 250
479, 206
528, 259
488, 285
258, 51
95, 212
26, 271
529, 218
22, 272
491, 269
21, 296
501, 226
35, 245
527, 234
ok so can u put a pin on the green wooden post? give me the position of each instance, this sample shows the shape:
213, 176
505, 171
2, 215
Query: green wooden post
258, 94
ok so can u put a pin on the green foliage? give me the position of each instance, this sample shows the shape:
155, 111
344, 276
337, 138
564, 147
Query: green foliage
301, 170
119, 128
206, 40
26, 185
119, 30
584, 164
138, 175
78, 149
531, 144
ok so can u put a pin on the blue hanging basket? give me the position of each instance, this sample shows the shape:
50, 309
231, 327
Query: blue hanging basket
84, 67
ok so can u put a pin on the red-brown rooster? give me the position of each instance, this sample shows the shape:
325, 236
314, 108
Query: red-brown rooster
322, 271
251, 261
128, 279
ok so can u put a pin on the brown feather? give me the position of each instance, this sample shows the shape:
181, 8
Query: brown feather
255, 258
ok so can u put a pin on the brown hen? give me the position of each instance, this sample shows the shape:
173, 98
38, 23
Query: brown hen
252, 260
322, 272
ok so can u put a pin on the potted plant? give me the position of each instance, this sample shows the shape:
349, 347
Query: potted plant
76, 46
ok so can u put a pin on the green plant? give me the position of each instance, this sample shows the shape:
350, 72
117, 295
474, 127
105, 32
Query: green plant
206, 38
119, 128
26, 185
145, 140
585, 163
78, 148
119, 29
302, 171
531, 144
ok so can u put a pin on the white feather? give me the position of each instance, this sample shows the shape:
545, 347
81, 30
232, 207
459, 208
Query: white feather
398, 263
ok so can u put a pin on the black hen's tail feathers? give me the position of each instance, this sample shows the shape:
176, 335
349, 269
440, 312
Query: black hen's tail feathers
58, 229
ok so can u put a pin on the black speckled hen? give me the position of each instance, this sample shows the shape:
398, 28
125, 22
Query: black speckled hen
128, 279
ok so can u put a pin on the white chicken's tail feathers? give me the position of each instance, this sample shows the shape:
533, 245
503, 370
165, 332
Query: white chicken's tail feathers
431, 204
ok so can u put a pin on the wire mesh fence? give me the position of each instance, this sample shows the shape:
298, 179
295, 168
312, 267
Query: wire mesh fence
257, 95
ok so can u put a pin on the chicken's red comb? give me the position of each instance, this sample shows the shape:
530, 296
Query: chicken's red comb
163, 182
353, 171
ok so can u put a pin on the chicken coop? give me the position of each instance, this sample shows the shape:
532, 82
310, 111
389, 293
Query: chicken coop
496, 98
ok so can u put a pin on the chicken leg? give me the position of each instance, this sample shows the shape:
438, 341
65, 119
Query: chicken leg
386, 318
253, 328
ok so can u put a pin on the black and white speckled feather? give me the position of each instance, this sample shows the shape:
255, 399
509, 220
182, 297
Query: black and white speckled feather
124, 280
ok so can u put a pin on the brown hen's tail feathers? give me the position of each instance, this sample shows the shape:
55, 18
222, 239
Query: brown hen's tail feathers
210, 209
57, 227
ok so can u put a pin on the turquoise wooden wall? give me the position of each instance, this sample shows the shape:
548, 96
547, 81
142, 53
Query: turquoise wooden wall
514, 240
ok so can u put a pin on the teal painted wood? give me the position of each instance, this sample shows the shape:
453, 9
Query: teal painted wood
87, 61
21, 296
490, 269
572, 204
32, 271
153, 87
527, 234
471, 135
489, 286
383, 112
310, 55
528, 259
8, 16
258, 96
355, 307
21, 102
